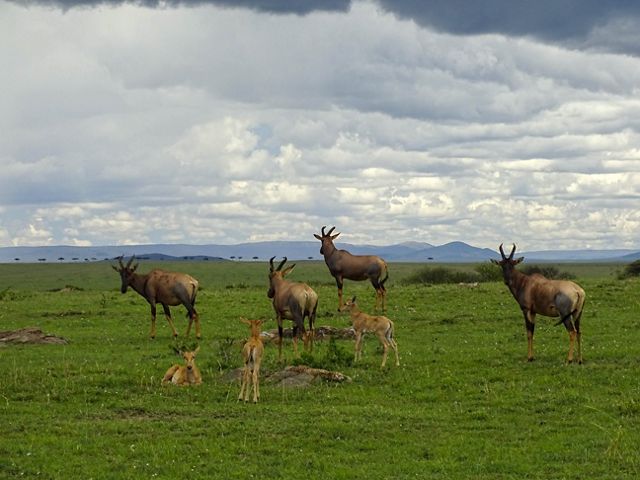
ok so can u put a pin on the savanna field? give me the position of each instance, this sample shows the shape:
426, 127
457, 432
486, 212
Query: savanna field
464, 403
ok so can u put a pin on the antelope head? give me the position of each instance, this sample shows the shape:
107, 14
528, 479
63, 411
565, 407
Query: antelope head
276, 274
126, 272
254, 325
190, 358
326, 239
507, 263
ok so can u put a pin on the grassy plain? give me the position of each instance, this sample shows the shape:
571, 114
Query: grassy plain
463, 404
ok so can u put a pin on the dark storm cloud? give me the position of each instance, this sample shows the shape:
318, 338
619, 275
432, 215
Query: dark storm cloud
575, 23
273, 6
583, 24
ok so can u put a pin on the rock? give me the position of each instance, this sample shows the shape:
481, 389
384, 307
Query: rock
29, 335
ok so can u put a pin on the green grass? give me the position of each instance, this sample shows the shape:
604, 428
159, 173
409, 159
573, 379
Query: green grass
463, 404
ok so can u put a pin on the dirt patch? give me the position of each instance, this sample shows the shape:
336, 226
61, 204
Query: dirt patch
294, 376
303, 376
320, 333
29, 335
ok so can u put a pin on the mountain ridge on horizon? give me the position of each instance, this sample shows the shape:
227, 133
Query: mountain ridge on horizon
411, 251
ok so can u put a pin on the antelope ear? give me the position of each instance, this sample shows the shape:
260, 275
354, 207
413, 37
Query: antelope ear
353, 300
244, 320
195, 352
333, 237
287, 270
493, 260
317, 236
518, 260
115, 268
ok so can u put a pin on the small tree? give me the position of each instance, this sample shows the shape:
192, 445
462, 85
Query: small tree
632, 270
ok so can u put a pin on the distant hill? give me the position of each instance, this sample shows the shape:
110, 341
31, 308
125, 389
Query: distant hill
262, 251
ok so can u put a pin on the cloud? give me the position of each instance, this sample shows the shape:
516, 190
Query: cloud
573, 23
132, 125
584, 24
272, 6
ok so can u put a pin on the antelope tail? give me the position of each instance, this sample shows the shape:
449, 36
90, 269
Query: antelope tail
386, 276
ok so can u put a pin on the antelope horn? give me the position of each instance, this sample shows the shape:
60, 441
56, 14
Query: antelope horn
504, 257
324, 234
281, 264
130, 261
513, 250
271, 262
120, 261
332, 229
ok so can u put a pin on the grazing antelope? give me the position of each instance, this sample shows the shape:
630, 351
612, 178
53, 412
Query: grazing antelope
252, 356
380, 325
165, 288
353, 267
552, 298
293, 301
187, 374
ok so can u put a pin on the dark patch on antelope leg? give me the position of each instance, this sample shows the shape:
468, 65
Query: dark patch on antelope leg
152, 334
340, 284
578, 338
530, 330
197, 320
167, 313
568, 324
280, 341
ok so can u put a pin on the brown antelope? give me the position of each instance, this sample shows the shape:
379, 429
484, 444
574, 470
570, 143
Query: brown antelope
353, 267
552, 298
252, 356
293, 301
380, 325
187, 374
165, 288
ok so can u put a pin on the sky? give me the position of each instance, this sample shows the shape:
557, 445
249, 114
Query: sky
220, 121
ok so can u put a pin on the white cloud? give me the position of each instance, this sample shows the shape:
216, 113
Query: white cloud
135, 125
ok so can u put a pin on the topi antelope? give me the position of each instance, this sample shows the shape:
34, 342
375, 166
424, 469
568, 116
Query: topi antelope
165, 288
380, 325
187, 374
293, 301
252, 356
552, 298
353, 267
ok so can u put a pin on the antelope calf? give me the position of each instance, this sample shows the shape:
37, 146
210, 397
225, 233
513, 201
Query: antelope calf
380, 325
551, 298
165, 288
353, 267
187, 374
252, 356
293, 301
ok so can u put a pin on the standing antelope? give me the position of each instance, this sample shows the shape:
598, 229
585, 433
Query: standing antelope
293, 301
252, 356
187, 374
552, 298
353, 267
165, 288
380, 325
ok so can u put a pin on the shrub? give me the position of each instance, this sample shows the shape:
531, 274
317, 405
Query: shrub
631, 270
548, 271
439, 275
335, 357
489, 272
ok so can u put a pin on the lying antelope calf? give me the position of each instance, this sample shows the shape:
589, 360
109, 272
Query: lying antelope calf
380, 325
252, 356
187, 374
